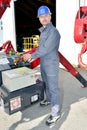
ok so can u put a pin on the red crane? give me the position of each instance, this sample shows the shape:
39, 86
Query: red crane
80, 33
3, 6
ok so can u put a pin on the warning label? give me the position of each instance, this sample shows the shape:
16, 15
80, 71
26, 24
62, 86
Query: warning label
15, 103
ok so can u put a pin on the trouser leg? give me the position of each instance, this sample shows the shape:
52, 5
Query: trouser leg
42, 92
45, 88
55, 94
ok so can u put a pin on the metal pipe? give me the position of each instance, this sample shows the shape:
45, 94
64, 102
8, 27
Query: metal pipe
79, 10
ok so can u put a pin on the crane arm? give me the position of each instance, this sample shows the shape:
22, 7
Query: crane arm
3, 6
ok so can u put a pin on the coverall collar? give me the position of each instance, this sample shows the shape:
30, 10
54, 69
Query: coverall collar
48, 26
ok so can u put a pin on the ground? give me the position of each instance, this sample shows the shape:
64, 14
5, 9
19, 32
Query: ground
73, 109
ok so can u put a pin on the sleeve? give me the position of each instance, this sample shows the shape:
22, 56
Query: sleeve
51, 42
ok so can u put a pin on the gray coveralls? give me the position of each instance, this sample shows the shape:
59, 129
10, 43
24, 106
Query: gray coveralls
48, 53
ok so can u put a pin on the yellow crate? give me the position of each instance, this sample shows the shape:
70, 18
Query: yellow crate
30, 42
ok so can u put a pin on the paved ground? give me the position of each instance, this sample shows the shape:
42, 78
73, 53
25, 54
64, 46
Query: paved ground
73, 107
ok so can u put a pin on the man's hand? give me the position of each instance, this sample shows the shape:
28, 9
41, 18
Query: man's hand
27, 57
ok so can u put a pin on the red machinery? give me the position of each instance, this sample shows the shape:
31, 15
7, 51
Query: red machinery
80, 33
3, 6
5, 3
7, 46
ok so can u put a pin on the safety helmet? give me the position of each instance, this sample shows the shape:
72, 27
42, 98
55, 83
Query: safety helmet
43, 10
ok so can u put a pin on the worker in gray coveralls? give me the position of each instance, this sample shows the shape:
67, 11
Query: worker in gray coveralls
49, 61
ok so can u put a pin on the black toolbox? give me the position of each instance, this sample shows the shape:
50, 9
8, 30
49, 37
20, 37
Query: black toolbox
20, 99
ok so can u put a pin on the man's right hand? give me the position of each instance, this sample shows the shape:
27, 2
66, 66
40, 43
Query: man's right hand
27, 57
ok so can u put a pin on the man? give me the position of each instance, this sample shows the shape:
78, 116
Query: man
48, 53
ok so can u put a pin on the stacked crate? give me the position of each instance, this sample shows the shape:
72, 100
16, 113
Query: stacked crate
30, 42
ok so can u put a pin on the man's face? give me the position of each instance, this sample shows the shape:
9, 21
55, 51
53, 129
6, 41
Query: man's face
45, 19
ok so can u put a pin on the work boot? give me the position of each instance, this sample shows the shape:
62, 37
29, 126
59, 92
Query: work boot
52, 119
